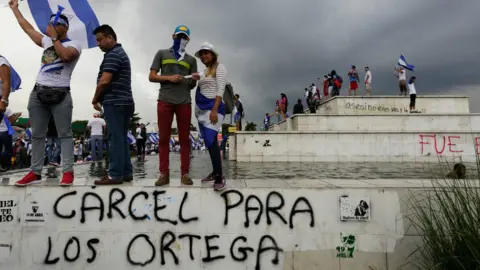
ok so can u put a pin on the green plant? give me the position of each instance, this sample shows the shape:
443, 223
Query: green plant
447, 216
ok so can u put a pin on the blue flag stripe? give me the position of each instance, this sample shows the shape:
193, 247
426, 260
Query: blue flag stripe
85, 13
42, 13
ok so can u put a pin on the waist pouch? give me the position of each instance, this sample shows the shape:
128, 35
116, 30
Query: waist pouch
51, 95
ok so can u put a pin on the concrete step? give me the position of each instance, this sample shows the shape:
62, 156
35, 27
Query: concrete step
380, 122
187, 228
354, 146
394, 104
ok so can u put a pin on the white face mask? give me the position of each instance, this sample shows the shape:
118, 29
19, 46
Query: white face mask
183, 44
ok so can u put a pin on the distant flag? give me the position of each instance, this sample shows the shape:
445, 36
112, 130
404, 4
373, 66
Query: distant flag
131, 139
153, 138
82, 18
28, 132
403, 62
15, 80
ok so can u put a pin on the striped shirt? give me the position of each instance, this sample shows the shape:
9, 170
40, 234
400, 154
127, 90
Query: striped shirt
119, 92
212, 87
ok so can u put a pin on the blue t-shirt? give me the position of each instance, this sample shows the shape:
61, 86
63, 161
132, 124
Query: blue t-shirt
353, 76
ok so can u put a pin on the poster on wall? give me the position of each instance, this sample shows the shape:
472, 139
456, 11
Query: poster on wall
354, 208
8, 210
34, 214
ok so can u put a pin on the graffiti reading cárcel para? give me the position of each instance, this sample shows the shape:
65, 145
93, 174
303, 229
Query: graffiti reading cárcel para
171, 230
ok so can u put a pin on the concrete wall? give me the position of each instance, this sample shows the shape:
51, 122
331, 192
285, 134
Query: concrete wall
356, 146
110, 228
394, 104
381, 122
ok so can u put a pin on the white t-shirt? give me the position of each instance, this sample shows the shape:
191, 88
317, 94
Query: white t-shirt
369, 75
3, 126
139, 133
3, 61
97, 125
402, 75
411, 88
53, 71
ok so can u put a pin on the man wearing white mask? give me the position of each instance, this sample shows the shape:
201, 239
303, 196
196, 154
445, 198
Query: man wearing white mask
174, 99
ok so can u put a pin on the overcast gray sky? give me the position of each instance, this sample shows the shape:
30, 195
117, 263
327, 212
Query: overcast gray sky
274, 46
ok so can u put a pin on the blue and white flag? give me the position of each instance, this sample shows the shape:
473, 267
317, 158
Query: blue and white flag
82, 18
402, 62
9, 126
130, 138
203, 109
172, 141
153, 138
28, 132
15, 80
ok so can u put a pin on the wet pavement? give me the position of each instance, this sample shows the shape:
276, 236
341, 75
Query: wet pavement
201, 167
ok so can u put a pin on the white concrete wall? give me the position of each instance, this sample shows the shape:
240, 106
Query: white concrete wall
394, 104
356, 146
385, 122
86, 215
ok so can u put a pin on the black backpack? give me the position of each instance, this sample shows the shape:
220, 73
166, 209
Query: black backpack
229, 98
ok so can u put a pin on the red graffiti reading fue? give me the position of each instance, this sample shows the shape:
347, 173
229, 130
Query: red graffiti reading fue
440, 147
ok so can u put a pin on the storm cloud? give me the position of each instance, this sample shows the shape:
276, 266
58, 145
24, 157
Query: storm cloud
272, 46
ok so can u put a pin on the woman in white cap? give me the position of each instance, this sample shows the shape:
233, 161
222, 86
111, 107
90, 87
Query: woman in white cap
210, 109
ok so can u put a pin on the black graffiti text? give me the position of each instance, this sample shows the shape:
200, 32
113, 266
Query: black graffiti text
234, 198
239, 249
71, 250
117, 201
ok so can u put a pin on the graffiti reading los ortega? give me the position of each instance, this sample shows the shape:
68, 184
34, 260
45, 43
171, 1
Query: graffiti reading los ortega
93, 208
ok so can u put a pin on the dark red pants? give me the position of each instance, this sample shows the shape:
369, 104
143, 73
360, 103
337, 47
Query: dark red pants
183, 113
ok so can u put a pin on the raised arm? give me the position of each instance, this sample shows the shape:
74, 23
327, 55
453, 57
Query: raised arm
34, 35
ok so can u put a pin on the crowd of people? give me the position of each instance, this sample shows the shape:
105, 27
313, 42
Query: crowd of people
172, 68
332, 84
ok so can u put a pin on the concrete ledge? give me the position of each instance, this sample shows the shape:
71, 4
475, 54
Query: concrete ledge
354, 132
326, 183
379, 115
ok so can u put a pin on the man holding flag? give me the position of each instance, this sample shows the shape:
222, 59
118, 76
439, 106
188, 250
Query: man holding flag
51, 93
401, 73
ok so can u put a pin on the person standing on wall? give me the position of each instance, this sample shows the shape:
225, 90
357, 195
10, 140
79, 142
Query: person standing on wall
401, 74
354, 79
96, 126
413, 94
210, 109
174, 99
368, 81
51, 94
114, 92
240, 112
9, 81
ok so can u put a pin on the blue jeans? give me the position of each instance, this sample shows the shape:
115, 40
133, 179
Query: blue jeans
96, 143
6, 148
117, 119
53, 155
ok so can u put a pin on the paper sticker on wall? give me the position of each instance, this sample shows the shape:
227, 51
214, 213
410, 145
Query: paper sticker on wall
34, 215
8, 210
354, 208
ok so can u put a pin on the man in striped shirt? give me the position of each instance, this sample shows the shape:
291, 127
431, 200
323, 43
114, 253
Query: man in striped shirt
114, 92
